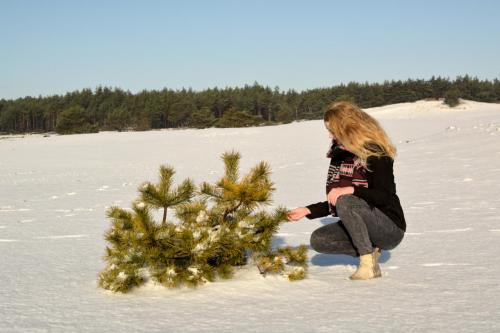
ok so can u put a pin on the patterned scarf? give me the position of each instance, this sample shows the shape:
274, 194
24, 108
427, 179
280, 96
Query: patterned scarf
345, 170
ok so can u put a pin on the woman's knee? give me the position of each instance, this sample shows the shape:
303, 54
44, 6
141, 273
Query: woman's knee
320, 237
331, 239
348, 202
315, 240
321, 245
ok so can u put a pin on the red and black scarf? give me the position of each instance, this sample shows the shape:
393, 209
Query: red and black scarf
345, 170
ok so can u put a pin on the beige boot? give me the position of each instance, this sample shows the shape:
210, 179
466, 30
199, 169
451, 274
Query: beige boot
368, 267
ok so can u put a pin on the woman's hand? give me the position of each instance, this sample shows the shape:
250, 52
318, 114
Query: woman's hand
336, 192
298, 213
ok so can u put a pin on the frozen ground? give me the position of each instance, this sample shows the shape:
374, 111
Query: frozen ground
443, 277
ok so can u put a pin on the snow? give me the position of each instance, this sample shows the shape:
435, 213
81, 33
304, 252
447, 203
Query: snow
202, 217
122, 276
443, 277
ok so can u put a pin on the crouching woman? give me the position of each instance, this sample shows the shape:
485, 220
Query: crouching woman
360, 191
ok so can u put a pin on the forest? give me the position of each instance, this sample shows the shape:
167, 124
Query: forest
112, 108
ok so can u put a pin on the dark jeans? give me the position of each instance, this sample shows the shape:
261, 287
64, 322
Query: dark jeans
360, 229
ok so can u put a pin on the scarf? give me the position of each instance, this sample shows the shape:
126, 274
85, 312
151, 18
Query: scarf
345, 170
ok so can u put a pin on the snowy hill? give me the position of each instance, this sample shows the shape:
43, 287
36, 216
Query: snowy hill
443, 277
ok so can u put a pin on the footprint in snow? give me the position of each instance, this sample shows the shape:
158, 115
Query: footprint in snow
452, 230
437, 264
83, 209
60, 236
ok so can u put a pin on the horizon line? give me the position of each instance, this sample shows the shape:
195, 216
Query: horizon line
475, 77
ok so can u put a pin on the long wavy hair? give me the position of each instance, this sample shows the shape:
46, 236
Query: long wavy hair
357, 131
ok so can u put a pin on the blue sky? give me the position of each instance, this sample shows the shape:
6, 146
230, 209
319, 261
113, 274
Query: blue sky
51, 47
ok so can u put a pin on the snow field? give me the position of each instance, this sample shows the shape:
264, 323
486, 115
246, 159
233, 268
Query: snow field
442, 277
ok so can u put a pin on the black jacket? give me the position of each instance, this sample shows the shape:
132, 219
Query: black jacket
380, 193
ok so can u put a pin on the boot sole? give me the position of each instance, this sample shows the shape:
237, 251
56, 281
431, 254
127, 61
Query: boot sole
370, 278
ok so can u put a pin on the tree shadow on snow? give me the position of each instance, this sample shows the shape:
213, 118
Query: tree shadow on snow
277, 241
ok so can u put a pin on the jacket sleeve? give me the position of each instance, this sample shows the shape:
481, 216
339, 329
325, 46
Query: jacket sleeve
319, 209
381, 188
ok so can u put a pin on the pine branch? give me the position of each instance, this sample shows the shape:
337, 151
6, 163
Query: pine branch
166, 178
150, 195
231, 162
260, 172
183, 193
210, 192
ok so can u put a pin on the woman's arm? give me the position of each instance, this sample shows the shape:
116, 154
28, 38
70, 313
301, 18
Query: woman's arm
381, 185
319, 209
311, 212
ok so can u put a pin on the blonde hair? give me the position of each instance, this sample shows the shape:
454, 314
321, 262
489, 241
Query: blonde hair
359, 132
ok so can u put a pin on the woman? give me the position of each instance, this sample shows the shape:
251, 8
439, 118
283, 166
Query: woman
360, 190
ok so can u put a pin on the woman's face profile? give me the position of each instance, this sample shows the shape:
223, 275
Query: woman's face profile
333, 138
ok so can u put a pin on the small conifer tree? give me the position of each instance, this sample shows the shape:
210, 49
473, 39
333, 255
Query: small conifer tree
218, 226
451, 97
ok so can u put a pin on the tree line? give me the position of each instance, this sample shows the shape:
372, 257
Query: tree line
106, 108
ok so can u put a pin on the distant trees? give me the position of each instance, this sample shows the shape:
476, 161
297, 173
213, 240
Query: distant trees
202, 118
180, 113
345, 98
116, 109
235, 118
285, 113
118, 119
74, 120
